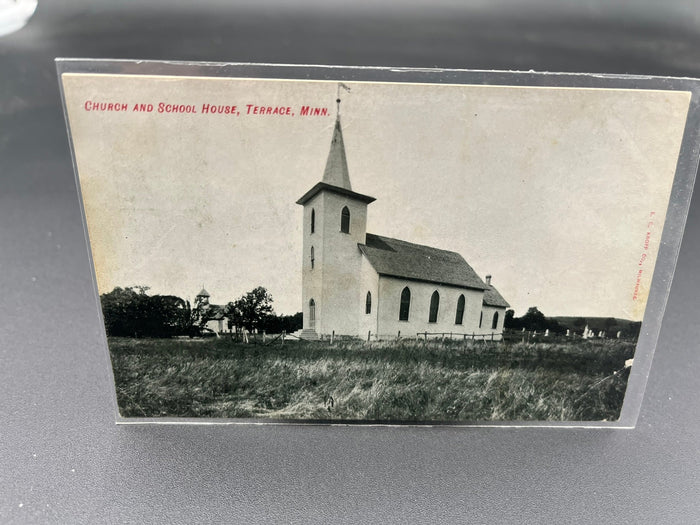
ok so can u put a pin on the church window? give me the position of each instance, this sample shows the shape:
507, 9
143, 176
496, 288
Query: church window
494, 325
460, 310
312, 310
405, 304
481, 319
434, 305
312, 258
368, 303
345, 220
313, 220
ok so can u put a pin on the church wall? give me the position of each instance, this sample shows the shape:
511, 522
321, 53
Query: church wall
488, 320
217, 325
341, 263
312, 278
369, 282
390, 289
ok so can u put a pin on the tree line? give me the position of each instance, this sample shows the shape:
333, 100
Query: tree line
531, 321
132, 312
535, 320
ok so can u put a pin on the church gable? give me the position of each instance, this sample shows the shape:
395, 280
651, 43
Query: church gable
396, 258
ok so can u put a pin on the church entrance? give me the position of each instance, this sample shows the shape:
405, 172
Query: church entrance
312, 314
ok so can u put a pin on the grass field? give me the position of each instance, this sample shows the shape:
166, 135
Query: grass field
403, 381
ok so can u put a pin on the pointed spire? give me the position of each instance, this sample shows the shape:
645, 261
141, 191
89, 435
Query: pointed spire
336, 178
336, 172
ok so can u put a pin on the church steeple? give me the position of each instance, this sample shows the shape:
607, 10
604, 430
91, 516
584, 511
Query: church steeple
334, 224
336, 172
336, 176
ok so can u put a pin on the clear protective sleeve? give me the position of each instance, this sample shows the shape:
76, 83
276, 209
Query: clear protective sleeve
492, 122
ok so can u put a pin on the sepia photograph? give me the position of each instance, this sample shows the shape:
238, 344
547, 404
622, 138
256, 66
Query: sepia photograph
371, 252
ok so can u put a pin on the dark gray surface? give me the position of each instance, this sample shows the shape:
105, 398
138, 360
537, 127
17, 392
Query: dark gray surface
62, 458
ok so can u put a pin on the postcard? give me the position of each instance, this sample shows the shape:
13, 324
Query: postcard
359, 246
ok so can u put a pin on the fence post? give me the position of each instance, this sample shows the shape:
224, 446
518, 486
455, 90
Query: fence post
398, 336
332, 336
426, 336
369, 333
491, 336
283, 333
264, 336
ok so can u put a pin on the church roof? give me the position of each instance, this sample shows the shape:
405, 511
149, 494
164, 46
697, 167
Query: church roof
215, 312
335, 189
397, 258
203, 293
493, 298
336, 172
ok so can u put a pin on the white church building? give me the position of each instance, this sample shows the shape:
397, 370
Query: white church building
357, 283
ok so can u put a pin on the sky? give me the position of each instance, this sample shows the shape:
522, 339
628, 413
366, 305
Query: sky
558, 193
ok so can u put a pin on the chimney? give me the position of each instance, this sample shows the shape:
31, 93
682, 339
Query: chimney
488, 280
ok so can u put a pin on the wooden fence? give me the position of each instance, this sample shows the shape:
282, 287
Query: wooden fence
264, 338
507, 336
493, 336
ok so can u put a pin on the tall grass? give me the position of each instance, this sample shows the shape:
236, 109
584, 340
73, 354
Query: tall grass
352, 380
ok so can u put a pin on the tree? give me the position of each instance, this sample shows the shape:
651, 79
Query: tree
510, 320
130, 312
610, 324
124, 311
168, 315
234, 315
534, 319
251, 310
634, 328
275, 324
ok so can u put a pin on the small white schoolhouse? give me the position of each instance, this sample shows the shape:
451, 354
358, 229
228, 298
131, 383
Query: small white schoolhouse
211, 315
357, 283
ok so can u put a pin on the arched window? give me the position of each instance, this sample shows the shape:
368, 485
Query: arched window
405, 304
312, 258
345, 220
313, 220
368, 303
312, 313
460, 310
481, 318
434, 305
494, 325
